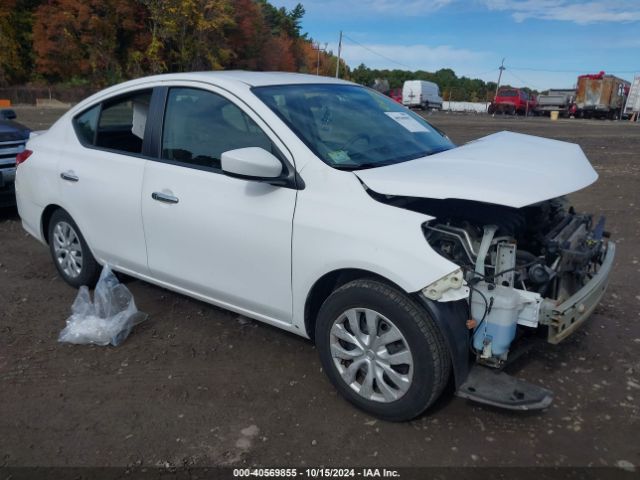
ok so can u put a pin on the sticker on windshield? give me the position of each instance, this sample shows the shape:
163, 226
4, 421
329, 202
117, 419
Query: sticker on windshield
407, 121
339, 156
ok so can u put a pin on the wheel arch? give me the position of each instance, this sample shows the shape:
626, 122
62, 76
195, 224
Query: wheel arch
325, 285
45, 218
450, 317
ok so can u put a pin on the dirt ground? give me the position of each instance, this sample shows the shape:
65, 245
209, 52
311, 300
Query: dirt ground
197, 385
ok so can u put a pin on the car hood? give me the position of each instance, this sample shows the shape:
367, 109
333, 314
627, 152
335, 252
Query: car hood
505, 168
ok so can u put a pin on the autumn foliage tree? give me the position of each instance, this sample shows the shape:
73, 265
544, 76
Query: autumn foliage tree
84, 38
100, 42
16, 18
188, 34
248, 36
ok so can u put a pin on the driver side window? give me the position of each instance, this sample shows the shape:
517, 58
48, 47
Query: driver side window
200, 125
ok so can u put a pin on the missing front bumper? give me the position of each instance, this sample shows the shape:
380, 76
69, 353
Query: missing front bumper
566, 318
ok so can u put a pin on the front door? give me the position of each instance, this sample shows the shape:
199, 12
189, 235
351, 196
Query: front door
223, 238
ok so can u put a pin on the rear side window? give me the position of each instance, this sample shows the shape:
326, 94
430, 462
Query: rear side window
117, 124
86, 125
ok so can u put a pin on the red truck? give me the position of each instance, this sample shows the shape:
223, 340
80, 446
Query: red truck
512, 101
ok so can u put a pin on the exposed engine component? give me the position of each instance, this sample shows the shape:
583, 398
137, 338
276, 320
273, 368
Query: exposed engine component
539, 274
512, 259
542, 251
518, 263
555, 246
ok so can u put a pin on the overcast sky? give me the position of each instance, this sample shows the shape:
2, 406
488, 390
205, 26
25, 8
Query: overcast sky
547, 43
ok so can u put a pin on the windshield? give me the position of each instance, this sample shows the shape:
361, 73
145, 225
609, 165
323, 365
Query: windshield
351, 127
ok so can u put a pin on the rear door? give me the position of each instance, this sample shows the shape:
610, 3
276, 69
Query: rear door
226, 239
100, 177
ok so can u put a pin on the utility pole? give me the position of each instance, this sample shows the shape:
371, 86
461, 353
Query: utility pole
318, 49
339, 52
502, 68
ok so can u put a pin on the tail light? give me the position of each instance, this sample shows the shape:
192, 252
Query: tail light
22, 156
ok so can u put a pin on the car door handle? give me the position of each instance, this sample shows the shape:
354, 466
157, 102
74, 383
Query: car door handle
69, 176
164, 198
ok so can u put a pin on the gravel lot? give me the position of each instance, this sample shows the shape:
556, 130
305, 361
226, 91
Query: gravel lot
197, 385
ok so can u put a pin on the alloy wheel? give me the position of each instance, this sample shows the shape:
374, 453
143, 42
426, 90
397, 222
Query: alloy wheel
67, 249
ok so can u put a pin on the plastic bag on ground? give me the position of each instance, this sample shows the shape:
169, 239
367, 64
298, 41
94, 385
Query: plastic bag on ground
108, 319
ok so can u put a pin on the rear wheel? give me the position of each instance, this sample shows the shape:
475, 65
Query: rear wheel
381, 350
70, 253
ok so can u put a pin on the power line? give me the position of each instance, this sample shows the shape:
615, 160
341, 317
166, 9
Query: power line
511, 69
566, 71
510, 72
377, 53
471, 75
403, 64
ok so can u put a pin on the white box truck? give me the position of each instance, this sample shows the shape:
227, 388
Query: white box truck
632, 107
421, 94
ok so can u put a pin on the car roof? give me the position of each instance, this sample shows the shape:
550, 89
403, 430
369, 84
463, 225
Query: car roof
252, 79
260, 79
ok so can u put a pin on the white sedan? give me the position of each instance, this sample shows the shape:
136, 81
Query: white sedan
330, 211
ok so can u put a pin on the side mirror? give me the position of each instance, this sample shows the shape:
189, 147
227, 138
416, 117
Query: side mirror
8, 114
252, 163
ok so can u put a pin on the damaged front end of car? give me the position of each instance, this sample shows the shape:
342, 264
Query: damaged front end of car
541, 269
531, 267
541, 265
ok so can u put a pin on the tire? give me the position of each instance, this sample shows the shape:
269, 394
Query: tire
427, 367
66, 242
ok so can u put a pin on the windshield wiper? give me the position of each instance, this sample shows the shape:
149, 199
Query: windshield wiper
346, 168
407, 158
360, 166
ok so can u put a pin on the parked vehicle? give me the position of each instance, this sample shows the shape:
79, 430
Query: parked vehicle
381, 85
13, 137
632, 105
330, 211
559, 100
512, 101
601, 96
421, 94
396, 95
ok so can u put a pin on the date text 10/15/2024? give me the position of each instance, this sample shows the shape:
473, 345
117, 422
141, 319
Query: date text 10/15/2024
316, 472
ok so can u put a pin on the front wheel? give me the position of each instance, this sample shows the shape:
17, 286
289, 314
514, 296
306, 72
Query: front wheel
381, 350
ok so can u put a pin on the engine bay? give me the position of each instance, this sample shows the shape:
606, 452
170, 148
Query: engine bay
557, 249
515, 261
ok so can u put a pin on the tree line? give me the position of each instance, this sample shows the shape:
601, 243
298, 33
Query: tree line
101, 42
451, 86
